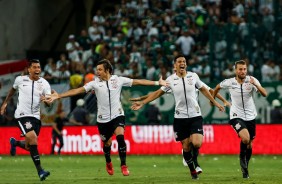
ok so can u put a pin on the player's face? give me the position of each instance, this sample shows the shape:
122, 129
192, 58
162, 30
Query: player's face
101, 72
241, 71
34, 71
180, 65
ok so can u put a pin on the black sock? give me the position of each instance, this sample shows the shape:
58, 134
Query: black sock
195, 153
248, 155
107, 153
35, 157
20, 144
243, 150
121, 149
189, 160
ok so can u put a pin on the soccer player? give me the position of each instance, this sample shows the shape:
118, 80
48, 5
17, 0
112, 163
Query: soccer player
110, 115
195, 151
32, 90
243, 110
188, 121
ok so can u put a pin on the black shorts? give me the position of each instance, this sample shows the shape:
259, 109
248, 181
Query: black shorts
27, 124
106, 130
239, 124
185, 127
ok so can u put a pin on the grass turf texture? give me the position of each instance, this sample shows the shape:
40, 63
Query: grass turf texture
217, 169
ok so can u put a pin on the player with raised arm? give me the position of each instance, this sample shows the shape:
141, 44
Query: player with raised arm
110, 115
188, 121
32, 90
243, 110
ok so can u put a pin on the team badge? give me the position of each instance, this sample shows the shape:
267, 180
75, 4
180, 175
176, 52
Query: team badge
28, 125
114, 84
237, 126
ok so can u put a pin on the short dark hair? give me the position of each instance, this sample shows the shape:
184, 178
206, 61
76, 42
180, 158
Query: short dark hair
30, 61
178, 56
107, 65
240, 62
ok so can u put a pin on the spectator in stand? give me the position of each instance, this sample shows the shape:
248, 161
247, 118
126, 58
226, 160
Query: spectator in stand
76, 81
72, 48
186, 43
276, 112
229, 72
63, 61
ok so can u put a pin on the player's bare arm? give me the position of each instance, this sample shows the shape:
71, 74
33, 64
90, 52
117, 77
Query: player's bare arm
218, 95
210, 97
72, 92
138, 98
261, 90
152, 96
9, 96
145, 82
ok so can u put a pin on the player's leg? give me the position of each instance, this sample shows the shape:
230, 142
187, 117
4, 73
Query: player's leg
188, 157
196, 143
119, 132
245, 141
196, 139
105, 131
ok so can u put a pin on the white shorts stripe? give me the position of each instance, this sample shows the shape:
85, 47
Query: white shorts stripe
22, 128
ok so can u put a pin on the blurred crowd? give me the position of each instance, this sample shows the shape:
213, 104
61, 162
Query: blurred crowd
141, 38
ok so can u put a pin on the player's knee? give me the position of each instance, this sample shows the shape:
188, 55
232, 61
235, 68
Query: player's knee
245, 140
197, 145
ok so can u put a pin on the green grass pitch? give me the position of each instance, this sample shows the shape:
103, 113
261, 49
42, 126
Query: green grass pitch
152, 169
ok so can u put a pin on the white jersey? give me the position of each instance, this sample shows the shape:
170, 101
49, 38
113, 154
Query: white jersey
108, 96
243, 105
185, 95
29, 96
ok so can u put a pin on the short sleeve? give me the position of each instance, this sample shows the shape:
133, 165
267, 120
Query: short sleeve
206, 86
17, 82
126, 81
199, 83
89, 86
47, 88
256, 82
225, 84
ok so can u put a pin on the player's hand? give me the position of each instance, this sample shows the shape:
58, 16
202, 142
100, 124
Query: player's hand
220, 107
137, 105
134, 99
3, 108
163, 82
54, 96
226, 104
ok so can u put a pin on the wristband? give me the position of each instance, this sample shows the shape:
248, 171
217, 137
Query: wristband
157, 83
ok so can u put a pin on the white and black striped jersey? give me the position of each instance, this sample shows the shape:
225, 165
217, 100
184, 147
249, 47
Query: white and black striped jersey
29, 96
185, 95
241, 95
108, 96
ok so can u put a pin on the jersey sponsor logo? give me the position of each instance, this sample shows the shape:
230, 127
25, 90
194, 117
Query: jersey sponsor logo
175, 84
40, 87
234, 83
114, 83
25, 80
237, 126
24, 85
176, 79
28, 125
189, 76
